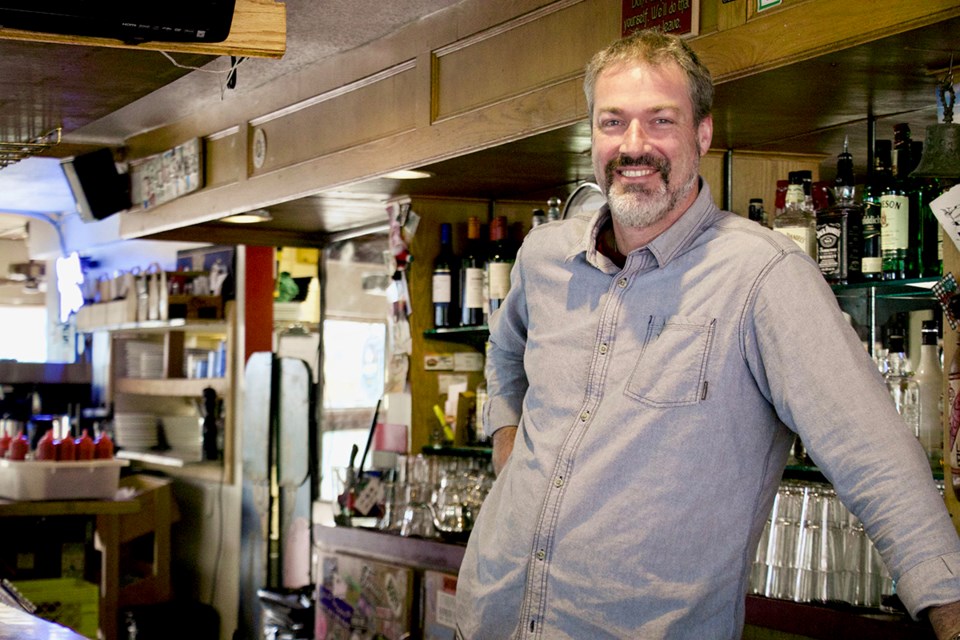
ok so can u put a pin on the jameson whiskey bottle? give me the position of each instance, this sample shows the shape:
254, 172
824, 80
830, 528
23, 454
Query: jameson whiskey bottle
443, 281
500, 259
796, 221
880, 177
471, 277
840, 227
899, 217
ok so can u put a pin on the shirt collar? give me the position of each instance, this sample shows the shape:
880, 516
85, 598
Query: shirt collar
665, 246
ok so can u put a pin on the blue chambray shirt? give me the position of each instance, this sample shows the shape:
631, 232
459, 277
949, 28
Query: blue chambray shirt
655, 406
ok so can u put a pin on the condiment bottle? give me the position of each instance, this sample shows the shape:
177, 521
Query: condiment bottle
46, 449
4, 442
66, 449
86, 449
19, 447
104, 447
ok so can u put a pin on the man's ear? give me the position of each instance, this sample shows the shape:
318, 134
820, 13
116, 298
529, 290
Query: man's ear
705, 134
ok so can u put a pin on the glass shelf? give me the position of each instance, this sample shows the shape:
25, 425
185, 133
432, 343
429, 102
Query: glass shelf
919, 288
476, 336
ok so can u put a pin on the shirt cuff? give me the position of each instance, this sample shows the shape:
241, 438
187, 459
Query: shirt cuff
931, 583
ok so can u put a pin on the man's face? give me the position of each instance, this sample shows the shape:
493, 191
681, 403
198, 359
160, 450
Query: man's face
646, 148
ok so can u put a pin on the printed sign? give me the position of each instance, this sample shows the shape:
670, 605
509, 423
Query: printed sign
766, 4
946, 208
680, 17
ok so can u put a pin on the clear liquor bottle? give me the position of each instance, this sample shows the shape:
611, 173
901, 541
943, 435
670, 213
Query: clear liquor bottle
840, 227
471, 277
903, 388
929, 376
444, 280
878, 180
796, 221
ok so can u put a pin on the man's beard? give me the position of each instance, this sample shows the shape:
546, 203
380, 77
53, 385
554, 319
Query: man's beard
637, 206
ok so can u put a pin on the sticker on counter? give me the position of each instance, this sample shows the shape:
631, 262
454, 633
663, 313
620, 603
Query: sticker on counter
438, 362
468, 361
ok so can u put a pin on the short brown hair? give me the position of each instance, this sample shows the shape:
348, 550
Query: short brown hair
656, 48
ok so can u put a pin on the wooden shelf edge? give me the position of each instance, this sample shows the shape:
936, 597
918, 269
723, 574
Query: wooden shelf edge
258, 30
208, 471
171, 386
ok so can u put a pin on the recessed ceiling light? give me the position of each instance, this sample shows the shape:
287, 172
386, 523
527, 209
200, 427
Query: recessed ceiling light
257, 215
408, 174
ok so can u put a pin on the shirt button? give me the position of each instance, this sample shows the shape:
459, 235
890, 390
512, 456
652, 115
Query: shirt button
541, 554
622, 282
558, 482
603, 349
584, 416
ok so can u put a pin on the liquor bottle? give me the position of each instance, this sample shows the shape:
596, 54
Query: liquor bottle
499, 263
471, 277
537, 218
900, 222
871, 262
444, 279
931, 238
756, 212
929, 376
903, 388
796, 222
553, 209
840, 227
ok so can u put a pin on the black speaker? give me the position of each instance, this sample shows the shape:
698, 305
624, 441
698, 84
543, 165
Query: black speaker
98, 187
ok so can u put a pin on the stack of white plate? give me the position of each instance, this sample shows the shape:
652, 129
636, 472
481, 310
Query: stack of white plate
184, 435
143, 359
135, 430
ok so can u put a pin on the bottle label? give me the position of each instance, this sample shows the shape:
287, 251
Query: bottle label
894, 222
499, 279
805, 237
473, 288
442, 290
829, 236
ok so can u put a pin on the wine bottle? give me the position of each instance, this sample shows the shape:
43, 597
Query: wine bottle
471, 277
499, 263
443, 281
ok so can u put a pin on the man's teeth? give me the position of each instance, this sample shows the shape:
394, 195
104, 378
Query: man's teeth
635, 173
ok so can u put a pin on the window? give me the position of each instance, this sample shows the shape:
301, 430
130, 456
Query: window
24, 335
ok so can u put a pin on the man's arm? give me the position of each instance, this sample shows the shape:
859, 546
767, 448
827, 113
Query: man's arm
945, 620
502, 446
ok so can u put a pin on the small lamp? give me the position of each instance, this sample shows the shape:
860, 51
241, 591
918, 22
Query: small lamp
941, 148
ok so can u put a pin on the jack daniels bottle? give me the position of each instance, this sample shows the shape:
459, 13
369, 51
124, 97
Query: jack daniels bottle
840, 227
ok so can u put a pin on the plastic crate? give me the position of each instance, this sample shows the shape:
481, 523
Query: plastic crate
70, 602
56, 480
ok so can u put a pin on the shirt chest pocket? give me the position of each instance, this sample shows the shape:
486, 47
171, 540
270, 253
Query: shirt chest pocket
672, 368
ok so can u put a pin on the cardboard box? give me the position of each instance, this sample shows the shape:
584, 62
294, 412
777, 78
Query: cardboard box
358, 598
439, 605
60, 480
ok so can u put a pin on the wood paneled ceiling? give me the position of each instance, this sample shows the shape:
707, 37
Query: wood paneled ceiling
807, 107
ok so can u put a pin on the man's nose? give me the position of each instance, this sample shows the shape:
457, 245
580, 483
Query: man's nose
634, 140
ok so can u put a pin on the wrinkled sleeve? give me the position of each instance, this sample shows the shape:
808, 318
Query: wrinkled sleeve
811, 365
506, 378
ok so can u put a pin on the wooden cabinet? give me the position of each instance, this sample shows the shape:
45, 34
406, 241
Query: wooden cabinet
165, 368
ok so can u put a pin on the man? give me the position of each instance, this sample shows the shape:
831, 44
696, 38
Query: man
646, 375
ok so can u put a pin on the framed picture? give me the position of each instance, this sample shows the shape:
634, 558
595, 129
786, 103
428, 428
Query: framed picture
217, 261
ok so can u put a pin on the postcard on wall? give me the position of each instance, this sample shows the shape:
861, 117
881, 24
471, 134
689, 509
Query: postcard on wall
946, 207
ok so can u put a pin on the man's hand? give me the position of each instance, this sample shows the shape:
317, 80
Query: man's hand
945, 620
502, 446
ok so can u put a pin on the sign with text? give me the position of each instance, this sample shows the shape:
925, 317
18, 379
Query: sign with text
680, 17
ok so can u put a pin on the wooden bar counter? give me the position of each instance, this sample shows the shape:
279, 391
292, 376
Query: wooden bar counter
765, 617
20, 625
107, 541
